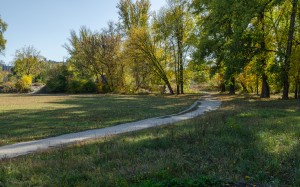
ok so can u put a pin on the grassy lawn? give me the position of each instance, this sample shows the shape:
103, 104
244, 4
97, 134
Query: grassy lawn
30, 117
248, 140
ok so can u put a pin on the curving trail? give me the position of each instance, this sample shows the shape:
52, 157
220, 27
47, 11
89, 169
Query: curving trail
198, 108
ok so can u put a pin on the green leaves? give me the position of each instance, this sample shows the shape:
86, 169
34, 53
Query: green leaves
96, 56
3, 27
28, 61
134, 14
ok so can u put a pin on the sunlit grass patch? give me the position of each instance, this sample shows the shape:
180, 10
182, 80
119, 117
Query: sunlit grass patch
30, 117
242, 143
279, 143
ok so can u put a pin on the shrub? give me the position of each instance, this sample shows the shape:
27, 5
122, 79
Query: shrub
89, 87
8, 87
56, 85
102, 87
75, 86
61, 80
57, 82
24, 83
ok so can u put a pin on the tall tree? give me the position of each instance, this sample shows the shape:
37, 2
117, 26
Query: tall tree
288, 53
247, 31
135, 15
97, 55
224, 34
144, 44
28, 61
174, 23
262, 60
110, 55
295, 71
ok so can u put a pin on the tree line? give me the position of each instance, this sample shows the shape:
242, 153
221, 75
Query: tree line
249, 46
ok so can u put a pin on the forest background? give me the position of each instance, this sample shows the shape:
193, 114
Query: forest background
234, 45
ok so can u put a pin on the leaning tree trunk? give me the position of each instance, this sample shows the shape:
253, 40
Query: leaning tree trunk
232, 86
245, 90
169, 86
167, 82
288, 53
165, 79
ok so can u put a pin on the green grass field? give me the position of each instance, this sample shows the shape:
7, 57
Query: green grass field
246, 141
30, 117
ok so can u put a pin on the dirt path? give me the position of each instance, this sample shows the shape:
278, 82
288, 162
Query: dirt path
198, 108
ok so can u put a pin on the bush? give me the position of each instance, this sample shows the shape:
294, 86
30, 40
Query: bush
75, 86
56, 85
102, 87
89, 87
24, 83
57, 82
8, 87
81, 86
61, 81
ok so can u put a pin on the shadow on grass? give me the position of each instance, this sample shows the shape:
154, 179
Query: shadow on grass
247, 141
83, 112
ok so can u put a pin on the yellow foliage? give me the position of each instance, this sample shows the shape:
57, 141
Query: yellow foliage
27, 79
24, 83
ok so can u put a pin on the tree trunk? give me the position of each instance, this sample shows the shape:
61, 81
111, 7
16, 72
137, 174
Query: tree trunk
181, 79
286, 84
256, 85
176, 70
232, 86
299, 90
222, 87
103, 78
245, 90
265, 89
180, 59
177, 78
296, 91
288, 53
179, 32
166, 80
169, 86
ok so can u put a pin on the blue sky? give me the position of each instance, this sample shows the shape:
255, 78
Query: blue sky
46, 24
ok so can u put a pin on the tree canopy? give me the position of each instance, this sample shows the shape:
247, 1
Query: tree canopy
229, 45
3, 27
28, 61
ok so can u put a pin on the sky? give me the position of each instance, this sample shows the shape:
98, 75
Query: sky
46, 24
